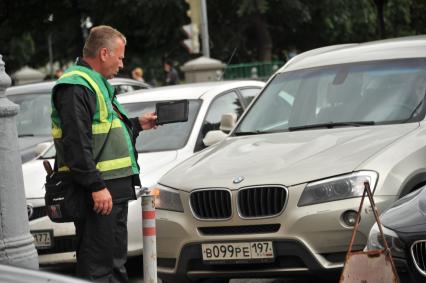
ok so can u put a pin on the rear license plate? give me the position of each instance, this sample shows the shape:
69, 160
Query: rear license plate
238, 252
43, 239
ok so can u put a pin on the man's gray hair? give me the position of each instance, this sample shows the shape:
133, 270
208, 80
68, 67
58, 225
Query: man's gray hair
101, 37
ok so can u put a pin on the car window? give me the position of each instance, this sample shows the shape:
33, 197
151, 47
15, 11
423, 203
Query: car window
166, 137
227, 103
50, 153
248, 94
125, 88
33, 118
374, 92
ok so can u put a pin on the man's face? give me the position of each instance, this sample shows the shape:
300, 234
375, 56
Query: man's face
112, 60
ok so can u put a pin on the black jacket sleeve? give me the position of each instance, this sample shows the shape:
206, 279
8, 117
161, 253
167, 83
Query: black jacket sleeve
76, 106
136, 127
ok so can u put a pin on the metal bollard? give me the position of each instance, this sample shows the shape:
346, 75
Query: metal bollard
149, 238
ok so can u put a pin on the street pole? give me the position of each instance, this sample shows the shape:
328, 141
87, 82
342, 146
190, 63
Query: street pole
204, 29
16, 243
49, 43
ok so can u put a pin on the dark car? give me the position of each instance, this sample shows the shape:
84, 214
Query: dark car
33, 120
404, 226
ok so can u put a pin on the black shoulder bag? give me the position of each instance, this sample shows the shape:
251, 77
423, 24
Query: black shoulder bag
65, 200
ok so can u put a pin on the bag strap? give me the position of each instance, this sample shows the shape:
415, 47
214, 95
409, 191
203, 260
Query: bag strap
367, 191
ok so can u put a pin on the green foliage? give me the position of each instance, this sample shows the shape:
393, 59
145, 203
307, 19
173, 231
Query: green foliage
250, 7
254, 29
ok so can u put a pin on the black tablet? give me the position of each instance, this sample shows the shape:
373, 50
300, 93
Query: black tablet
171, 112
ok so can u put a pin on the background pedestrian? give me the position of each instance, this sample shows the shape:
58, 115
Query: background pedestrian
137, 74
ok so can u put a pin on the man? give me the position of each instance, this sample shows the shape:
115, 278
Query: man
95, 141
172, 77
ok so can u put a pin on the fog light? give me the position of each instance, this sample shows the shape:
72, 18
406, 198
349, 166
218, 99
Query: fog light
349, 217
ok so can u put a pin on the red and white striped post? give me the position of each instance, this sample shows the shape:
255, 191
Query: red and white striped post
149, 239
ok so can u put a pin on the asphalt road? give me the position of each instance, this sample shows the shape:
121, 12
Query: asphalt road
135, 271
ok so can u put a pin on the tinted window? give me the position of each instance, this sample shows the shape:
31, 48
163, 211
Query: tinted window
248, 94
225, 104
125, 88
380, 92
33, 118
50, 153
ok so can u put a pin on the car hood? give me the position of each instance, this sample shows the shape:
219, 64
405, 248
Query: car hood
287, 158
408, 214
154, 165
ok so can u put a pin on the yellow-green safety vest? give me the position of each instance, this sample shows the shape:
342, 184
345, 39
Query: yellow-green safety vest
111, 142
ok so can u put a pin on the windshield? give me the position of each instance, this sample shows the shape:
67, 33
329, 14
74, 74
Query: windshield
342, 95
50, 153
166, 137
33, 118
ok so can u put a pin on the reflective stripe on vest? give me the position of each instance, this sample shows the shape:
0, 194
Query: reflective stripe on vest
104, 125
106, 165
103, 117
63, 169
96, 129
114, 164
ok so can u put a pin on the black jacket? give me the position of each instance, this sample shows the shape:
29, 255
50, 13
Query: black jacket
77, 104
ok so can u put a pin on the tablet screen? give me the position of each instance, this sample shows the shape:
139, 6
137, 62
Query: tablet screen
172, 112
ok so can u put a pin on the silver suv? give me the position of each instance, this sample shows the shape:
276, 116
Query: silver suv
279, 196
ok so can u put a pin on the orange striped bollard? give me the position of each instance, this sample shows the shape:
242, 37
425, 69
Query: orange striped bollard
149, 239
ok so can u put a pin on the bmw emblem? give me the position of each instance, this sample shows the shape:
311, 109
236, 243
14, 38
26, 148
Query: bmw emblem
30, 211
238, 179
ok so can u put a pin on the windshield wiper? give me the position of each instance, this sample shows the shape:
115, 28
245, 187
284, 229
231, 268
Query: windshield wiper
25, 135
330, 125
257, 132
414, 111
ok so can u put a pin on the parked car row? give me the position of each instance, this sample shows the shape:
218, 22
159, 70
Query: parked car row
159, 150
279, 195
33, 119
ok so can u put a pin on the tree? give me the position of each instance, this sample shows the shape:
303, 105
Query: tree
255, 11
259, 30
380, 17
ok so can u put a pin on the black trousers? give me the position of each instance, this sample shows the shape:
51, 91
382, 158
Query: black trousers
102, 245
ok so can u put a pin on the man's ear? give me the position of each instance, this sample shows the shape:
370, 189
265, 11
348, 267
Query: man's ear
103, 53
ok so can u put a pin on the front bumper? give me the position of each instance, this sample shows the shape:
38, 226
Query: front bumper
291, 258
309, 239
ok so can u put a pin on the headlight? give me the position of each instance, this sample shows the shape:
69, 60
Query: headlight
337, 188
167, 198
375, 241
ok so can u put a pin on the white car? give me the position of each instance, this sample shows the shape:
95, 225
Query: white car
33, 119
159, 150
279, 196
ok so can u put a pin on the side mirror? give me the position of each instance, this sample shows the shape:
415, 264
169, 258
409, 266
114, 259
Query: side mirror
213, 137
227, 122
42, 147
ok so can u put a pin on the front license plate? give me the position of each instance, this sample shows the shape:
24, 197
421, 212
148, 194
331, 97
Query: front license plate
238, 252
43, 239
